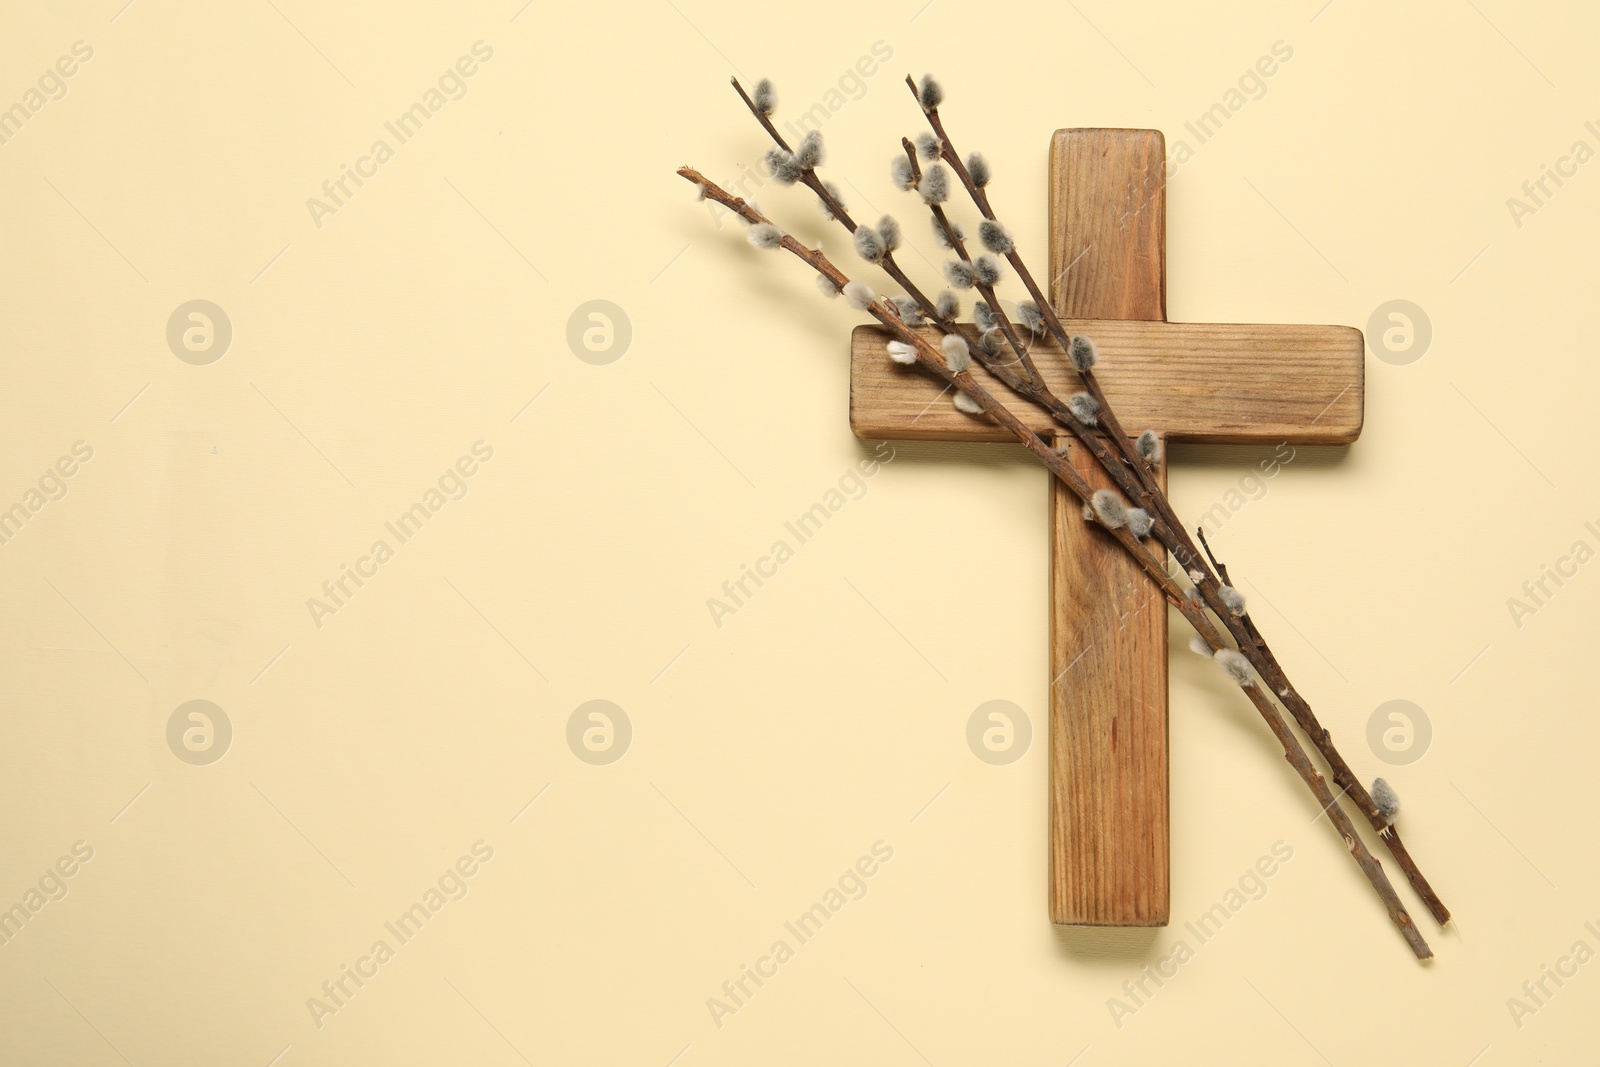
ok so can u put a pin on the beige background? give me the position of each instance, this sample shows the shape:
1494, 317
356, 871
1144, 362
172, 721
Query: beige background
830, 712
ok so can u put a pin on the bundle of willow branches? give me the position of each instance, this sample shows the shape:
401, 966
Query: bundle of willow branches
926, 334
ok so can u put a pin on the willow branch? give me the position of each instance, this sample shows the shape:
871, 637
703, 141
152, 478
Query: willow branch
1343, 776
933, 360
1175, 537
834, 206
958, 246
1036, 389
1033, 387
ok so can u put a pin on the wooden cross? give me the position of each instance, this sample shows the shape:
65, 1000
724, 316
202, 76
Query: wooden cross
1108, 625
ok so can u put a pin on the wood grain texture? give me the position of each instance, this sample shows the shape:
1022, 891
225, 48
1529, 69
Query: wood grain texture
1232, 384
1108, 224
1109, 822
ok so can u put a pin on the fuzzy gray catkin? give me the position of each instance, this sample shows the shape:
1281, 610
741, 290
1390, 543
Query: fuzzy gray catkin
978, 170
958, 272
931, 93
889, 231
809, 154
833, 191
948, 305
900, 170
1085, 408
967, 405
957, 356
1110, 508
1140, 523
935, 187
901, 352
983, 316
1149, 447
995, 237
1235, 666
765, 97
858, 295
986, 271
929, 146
1031, 316
764, 235
783, 166
1232, 598
1083, 351
1386, 799
869, 246
910, 310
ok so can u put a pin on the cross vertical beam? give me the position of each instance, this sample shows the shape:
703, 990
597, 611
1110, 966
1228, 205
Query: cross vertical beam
1108, 805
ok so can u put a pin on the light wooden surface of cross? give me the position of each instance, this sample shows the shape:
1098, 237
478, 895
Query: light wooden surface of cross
1242, 384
